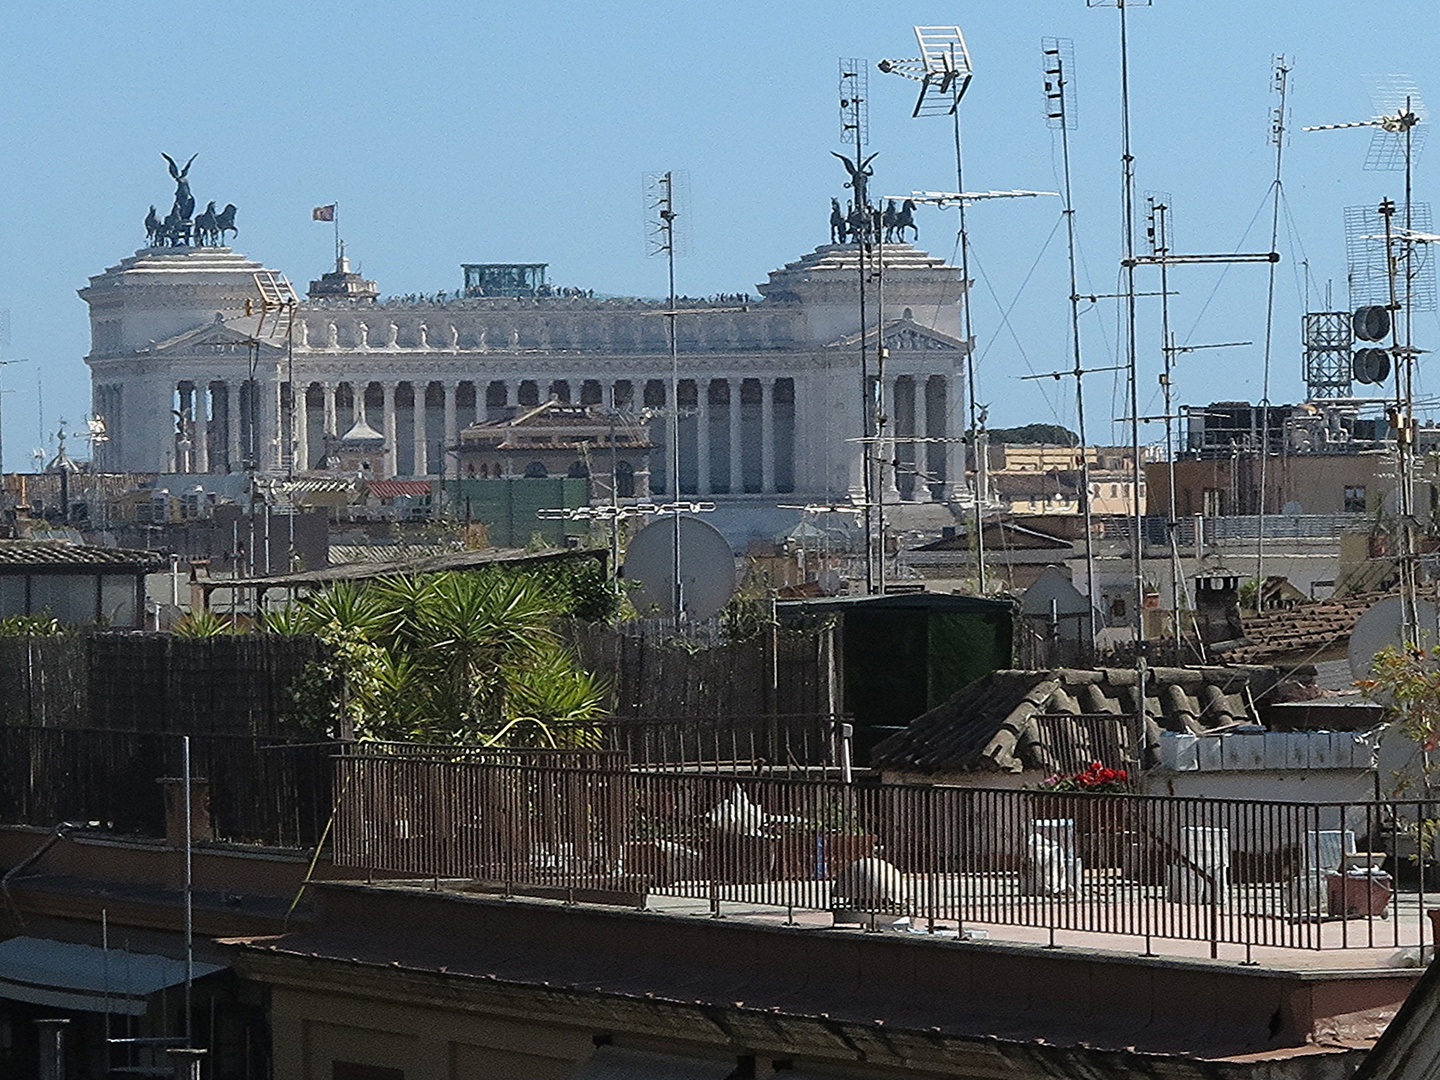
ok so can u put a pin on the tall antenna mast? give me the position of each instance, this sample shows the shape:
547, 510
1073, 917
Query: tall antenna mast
1396, 144
1281, 85
854, 91
944, 72
1159, 233
1058, 55
660, 191
1127, 245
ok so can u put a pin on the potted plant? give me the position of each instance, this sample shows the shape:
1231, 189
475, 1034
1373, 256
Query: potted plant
1101, 822
841, 838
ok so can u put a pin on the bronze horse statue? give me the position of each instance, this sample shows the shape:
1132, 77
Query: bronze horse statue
206, 232
897, 221
173, 232
838, 227
152, 228
225, 222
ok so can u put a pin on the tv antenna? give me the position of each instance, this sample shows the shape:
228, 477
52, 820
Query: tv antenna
1058, 66
1127, 263
1400, 124
662, 213
276, 307
854, 95
1280, 82
942, 69
945, 73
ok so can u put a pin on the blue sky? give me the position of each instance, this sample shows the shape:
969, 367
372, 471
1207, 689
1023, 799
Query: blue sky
453, 133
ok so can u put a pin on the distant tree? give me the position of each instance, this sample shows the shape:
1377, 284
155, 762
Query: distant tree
1053, 434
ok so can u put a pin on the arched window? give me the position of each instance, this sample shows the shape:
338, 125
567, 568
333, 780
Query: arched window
536, 470
625, 480
578, 470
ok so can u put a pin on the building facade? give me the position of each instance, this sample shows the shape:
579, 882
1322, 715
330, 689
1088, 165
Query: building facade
769, 392
1040, 478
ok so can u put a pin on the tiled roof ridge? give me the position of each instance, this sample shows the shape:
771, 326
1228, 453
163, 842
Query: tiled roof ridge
989, 725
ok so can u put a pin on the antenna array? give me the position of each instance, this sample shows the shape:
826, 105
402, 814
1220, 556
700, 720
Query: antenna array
1368, 265
942, 69
1398, 110
1327, 340
854, 101
667, 191
1060, 107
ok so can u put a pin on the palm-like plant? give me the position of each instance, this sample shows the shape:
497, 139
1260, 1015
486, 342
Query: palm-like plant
203, 623
452, 657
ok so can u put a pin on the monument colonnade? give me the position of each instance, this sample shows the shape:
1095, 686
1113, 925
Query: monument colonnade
739, 434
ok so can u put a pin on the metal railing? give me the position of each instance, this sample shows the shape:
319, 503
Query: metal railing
1248, 873
798, 744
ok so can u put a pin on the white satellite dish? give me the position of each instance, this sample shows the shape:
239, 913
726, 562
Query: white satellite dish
1379, 628
707, 568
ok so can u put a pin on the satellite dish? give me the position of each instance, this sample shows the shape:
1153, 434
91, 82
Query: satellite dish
707, 567
1371, 323
1371, 366
1379, 628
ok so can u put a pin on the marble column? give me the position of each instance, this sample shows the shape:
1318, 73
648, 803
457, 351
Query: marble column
201, 417
232, 416
184, 459
452, 433
955, 484
737, 476
420, 443
482, 391
767, 435
300, 425
923, 450
887, 450
269, 450
702, 436
392, 456
357, 403
327, 420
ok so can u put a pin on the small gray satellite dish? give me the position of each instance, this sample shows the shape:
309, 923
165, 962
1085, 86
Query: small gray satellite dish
1379, 627
707, 568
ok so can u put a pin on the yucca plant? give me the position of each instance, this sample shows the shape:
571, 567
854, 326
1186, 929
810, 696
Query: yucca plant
204, 623
450, 657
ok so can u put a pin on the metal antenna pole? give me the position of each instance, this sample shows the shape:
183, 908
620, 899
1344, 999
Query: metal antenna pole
878, 395
1127, 202
866, 430
972, 391
3, 365
944, 73
1064, 121
667, 217
1281, 83
1407, 457
854, 122
1127, 198
1160, 243
189, 894
1404, 433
